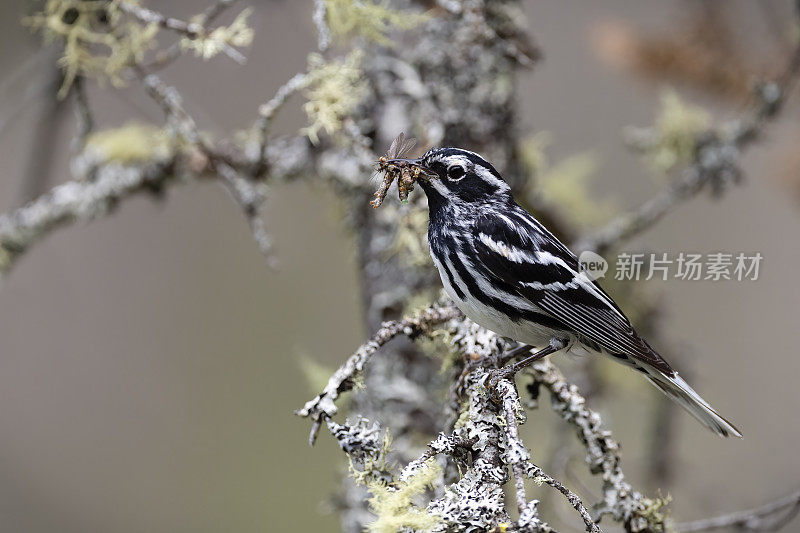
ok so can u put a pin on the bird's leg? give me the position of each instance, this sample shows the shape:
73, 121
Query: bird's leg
555, 345
522, 349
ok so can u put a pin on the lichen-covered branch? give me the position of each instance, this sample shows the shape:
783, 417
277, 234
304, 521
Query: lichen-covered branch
77, 201
324, 406
517, 452
620, 501
196, 35
486, 439
521, 464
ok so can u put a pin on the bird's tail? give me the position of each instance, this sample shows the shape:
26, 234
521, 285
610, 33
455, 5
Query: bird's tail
679, 391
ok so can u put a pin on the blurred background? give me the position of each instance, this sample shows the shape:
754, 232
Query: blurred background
150, 362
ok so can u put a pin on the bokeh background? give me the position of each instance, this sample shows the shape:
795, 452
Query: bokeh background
150, 363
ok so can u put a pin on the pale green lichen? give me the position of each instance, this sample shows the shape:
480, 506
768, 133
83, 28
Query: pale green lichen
237, 34
539, 480
677, 127
395, 507
463, 416
130, 144
334, 89
654, 513
99, 41
368, 19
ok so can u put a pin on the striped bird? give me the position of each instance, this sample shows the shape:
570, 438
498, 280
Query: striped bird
508, 273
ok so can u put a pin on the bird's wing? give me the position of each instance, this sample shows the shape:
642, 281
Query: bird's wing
524, 259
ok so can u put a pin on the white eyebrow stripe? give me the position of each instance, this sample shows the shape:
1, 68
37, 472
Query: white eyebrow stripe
456, 159
486, 175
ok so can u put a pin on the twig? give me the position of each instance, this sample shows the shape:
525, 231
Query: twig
83, 200
267, 112
323, 30
191, 30
172, 104
83, 115
148, 16
324, 406
574, 500
166, 56
248, 195
759, 519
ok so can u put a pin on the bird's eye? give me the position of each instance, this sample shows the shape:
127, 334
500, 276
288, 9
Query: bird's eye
455, 172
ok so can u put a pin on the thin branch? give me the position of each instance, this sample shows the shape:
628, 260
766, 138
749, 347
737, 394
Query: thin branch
324, 406
320, 20
266, 114
620, 500
249, 195
759, 519
83, 115
83, 200
574, 500
172, 104
148, 16
191, 30
169, 55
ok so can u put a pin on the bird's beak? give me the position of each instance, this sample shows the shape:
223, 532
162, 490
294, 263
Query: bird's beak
416, 163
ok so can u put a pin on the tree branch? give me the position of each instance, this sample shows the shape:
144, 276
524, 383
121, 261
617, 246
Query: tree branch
191, 30
76, 201
323, 406
521, 464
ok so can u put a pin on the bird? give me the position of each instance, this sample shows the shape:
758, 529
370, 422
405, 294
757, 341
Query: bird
508, 273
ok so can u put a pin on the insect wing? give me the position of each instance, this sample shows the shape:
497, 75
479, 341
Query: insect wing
395, 147
406, 147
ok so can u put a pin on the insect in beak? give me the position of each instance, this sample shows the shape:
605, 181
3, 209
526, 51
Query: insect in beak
396, 167
419, 169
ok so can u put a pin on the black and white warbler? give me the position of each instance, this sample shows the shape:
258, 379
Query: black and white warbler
508, 273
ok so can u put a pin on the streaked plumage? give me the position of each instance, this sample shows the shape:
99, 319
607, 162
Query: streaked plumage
508, 273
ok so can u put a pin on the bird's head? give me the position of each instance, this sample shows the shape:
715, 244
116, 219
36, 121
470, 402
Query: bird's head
461, 177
